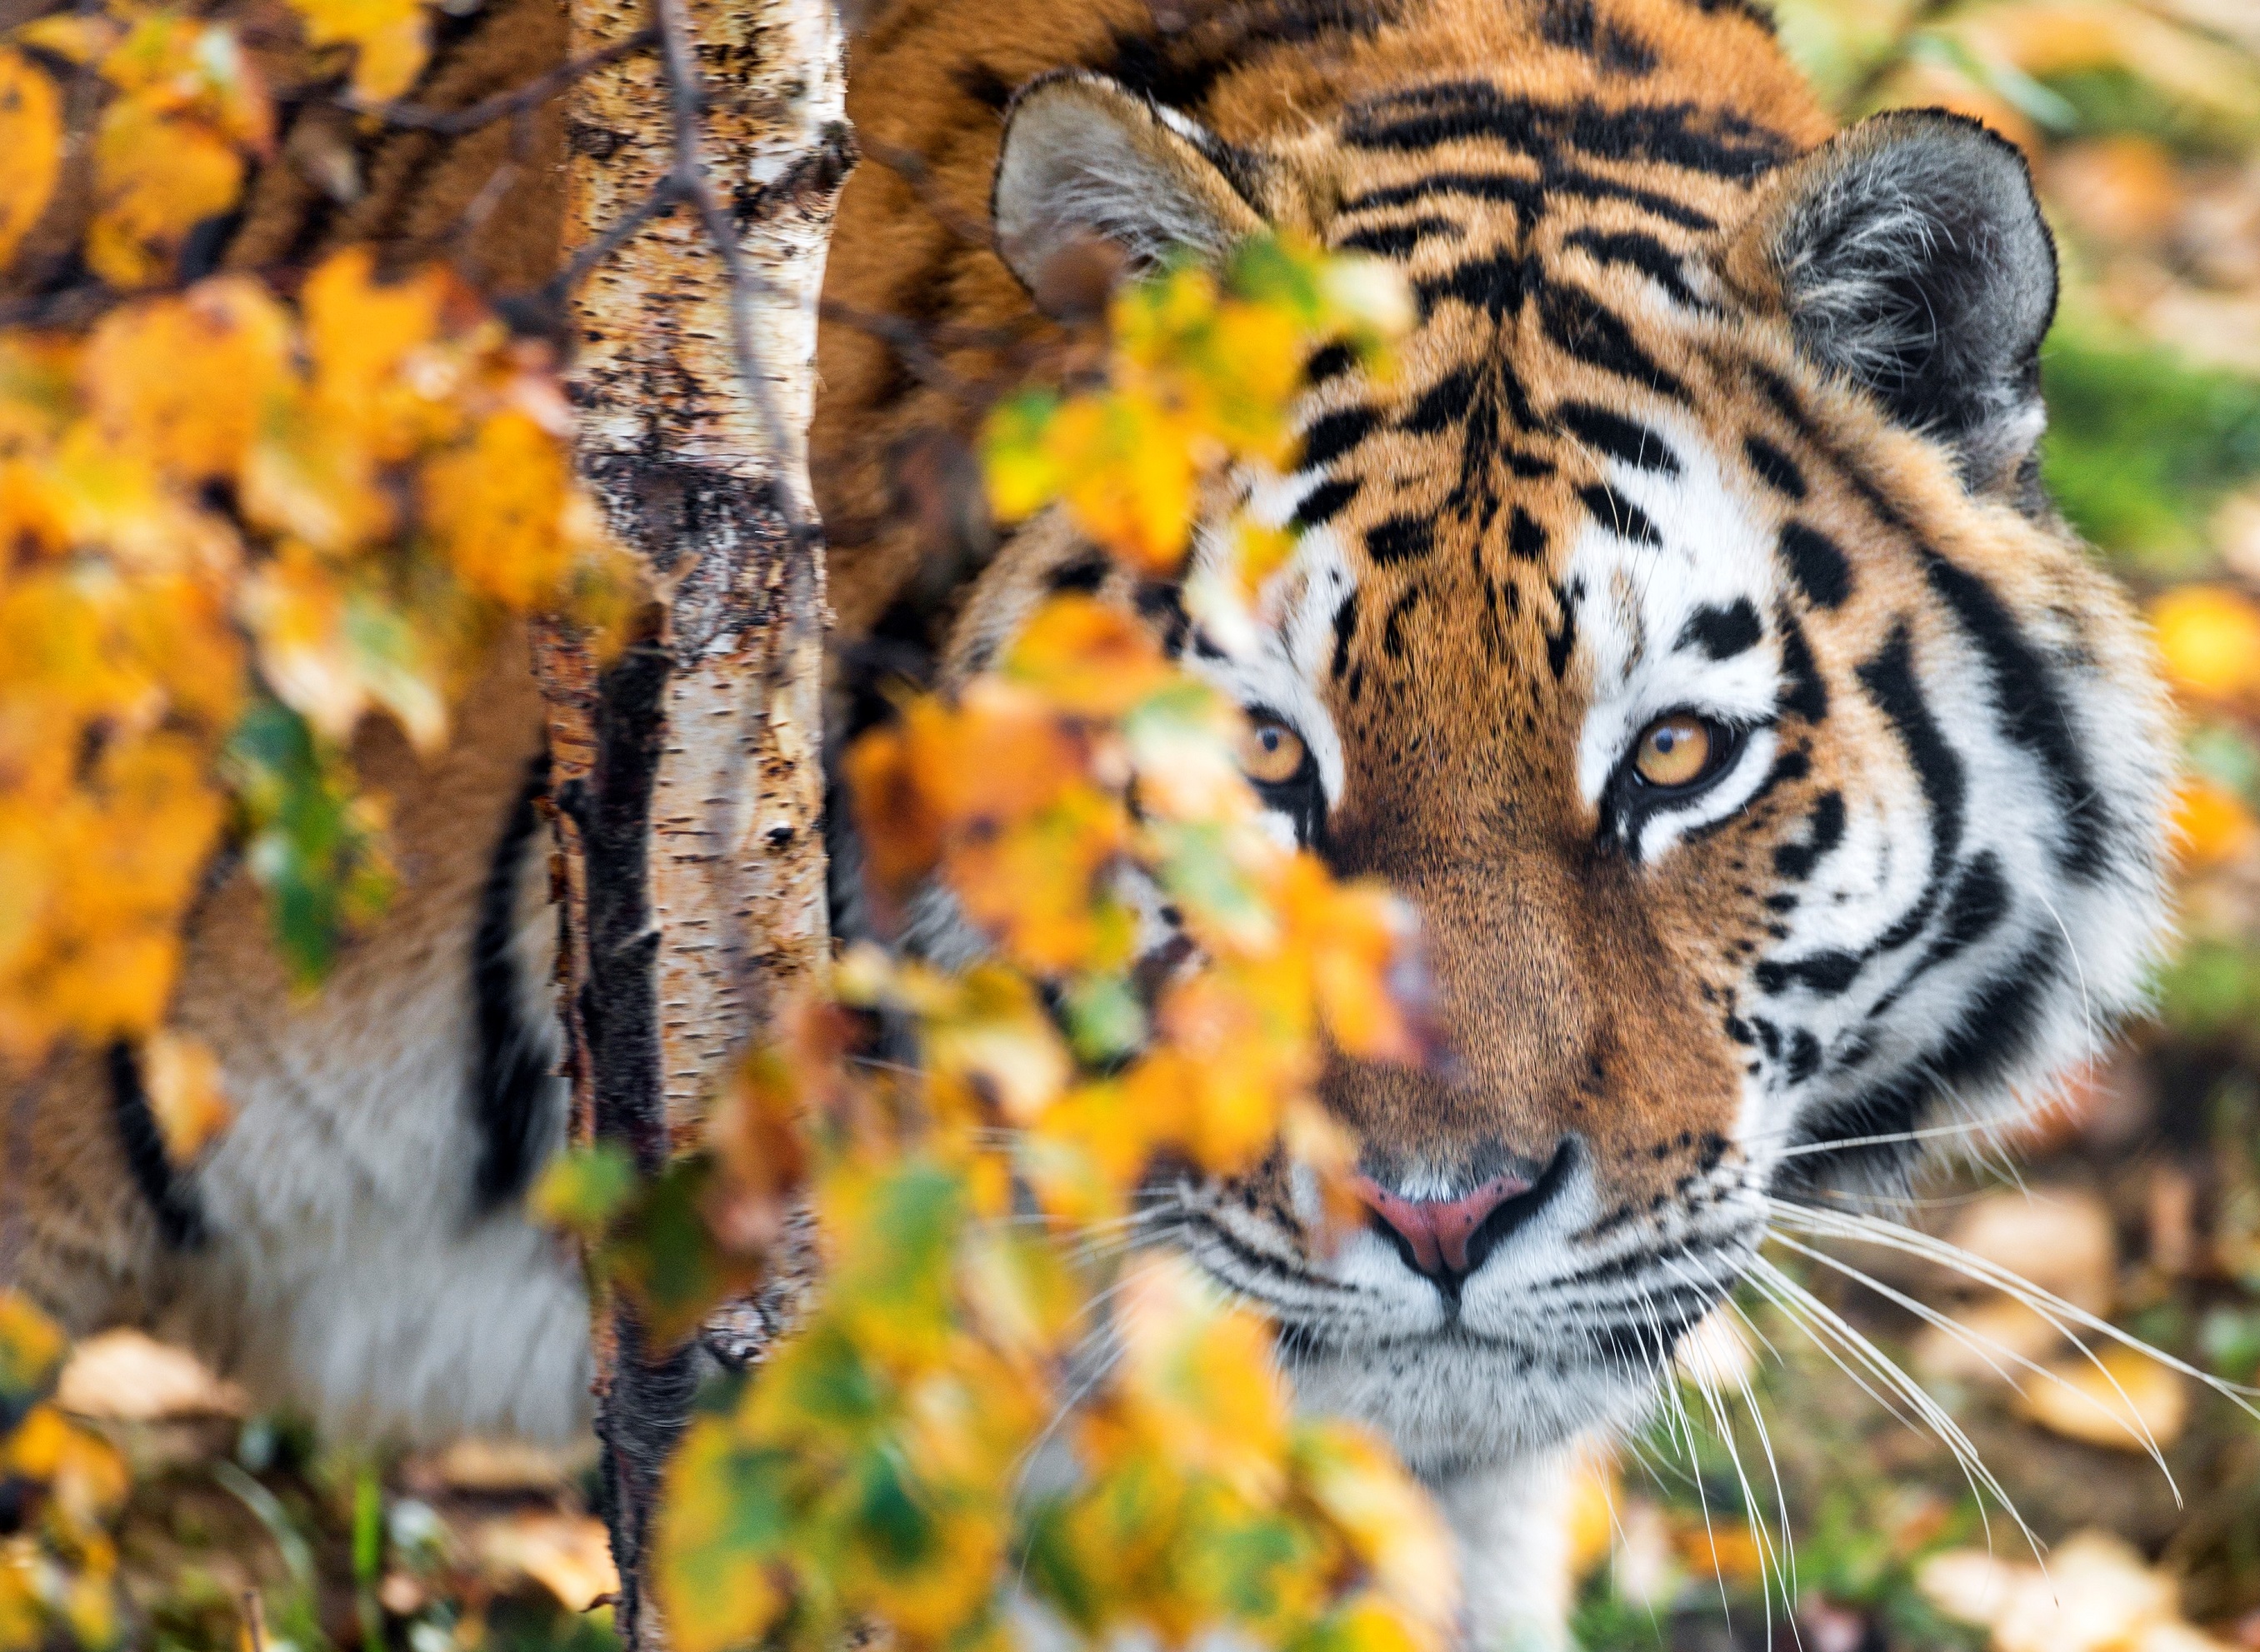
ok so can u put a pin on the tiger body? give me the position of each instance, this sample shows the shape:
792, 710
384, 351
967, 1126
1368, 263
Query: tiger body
1716, 426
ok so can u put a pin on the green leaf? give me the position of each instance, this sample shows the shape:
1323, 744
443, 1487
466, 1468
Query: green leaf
584, 1190
311, 844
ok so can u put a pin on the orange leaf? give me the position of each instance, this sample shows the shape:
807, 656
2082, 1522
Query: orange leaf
184, 381
31, 136
505, 510
388, 38
2214, 824
2209, 637
186, 1096
1087, 658
156, 178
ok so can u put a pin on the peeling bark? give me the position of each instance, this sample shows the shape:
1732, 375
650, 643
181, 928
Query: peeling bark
688, 773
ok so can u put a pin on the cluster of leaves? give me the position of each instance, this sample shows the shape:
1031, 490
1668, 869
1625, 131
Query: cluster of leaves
236, 515
235, 518
61, 1484
980, 1419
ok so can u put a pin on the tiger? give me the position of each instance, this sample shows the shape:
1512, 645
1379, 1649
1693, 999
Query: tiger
1682, 629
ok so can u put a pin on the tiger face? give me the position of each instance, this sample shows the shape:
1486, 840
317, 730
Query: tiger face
1680, 630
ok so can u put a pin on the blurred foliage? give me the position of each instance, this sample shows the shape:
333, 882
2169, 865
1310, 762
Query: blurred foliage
240, 514
956, 1432
869, 1471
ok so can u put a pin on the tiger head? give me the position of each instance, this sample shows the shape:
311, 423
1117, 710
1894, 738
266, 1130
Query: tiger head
1682, 631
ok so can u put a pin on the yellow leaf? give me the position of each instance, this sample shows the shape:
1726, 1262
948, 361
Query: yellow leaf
125, 1376
31, 136
1087, 658
156, 178
503, 507
2214, 824
2209, 637
184, 381
711, 1573
2130, 1402
388, 38
568, 1555
32, 1347
186, 1096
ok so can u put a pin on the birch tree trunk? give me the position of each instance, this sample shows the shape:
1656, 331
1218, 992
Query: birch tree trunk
688, 771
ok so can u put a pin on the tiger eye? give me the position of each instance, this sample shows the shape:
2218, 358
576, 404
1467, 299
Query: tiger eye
1270, 752
1673, 751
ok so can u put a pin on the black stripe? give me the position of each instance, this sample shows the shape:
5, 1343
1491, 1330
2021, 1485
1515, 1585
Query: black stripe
171, 1197
1721, 633
1180, 65
1804, 694
1085, 572
1994, 1032
1162, 603
1399, 539
1587, 328
1561, 644
1331, 437
1825, 974
1395, 241
1525, 539
1890, 682
1619, 514
1644, 253
1322, 504
1816, 564
1528, 196
1618, 436
1441, 404
1678, 134
1345, 628
1980, 901
514, 1078
1330, 362
1525, 194
1496, 285
1392, 640
1774, 467
2035, 710
1825, 832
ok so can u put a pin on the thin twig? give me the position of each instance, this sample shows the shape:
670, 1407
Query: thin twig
255, 1620
453, 123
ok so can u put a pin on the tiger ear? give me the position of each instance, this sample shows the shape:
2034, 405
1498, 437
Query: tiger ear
1084, 157
1911, 256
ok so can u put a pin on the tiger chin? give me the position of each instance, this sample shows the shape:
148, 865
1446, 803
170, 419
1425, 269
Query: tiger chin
1681, 628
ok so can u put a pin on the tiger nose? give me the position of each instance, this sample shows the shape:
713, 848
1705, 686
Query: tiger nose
1436, 1231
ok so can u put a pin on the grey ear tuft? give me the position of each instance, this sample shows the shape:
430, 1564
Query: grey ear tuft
1911, 256
1084, 156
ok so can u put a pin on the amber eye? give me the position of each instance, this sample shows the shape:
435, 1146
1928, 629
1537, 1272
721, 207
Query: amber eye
1674, 750
1270, 752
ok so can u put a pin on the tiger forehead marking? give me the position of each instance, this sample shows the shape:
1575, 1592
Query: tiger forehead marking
1679, 629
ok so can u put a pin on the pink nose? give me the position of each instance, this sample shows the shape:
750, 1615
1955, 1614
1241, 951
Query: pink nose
1438, 1230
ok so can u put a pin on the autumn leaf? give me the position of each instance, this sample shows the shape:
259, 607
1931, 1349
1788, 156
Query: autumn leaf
2209, 639
389, 38
186, 1095
31, 136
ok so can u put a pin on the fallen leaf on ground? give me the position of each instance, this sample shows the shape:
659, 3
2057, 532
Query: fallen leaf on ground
568, 1555
2058, 1238
476, 1465
2085, 1405
127, 1377
2096, 1596
1985, 1343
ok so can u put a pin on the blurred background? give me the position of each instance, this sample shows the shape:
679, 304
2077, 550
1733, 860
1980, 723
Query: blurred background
1782, 1502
